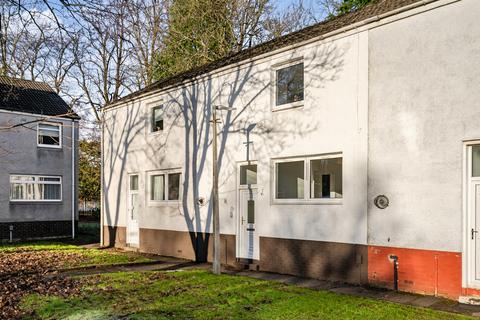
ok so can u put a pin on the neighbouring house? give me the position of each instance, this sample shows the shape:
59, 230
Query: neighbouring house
352, 154
38, 167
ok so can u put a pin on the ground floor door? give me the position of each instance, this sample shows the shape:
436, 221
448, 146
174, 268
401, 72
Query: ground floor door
247, 237
473, 205
132, 212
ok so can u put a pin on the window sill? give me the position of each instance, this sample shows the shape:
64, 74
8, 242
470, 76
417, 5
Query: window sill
287, 106
36, 201
307, 202
155, 133
164, 203
46, 146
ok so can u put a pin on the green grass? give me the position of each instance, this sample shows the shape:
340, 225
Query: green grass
201, 295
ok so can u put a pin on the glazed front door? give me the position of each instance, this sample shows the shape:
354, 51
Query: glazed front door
132, 212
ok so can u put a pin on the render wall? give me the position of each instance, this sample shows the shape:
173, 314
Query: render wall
19, 154
332, 119
423, 103
423, 106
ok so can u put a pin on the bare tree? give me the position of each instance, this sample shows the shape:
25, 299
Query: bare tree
102, 51
147, 27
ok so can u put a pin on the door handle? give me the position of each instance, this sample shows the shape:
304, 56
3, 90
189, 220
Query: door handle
473, 233
243, 220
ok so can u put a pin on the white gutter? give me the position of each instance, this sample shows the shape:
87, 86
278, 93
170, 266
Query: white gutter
73, 179
367, 24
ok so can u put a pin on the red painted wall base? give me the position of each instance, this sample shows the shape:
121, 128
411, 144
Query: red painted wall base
420, 271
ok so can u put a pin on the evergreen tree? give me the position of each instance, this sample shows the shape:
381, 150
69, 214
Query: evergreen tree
200, 31
347, 6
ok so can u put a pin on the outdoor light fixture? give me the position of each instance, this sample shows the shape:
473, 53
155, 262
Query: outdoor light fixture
216, 215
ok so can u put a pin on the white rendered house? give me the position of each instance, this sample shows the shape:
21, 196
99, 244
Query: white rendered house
353, 144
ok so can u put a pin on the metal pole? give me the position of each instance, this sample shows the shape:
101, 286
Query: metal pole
216, 216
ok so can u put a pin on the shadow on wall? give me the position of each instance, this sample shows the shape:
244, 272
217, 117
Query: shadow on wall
190, 108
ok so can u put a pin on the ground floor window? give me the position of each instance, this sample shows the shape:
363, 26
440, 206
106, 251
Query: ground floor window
35, 188
165, 186
309, 179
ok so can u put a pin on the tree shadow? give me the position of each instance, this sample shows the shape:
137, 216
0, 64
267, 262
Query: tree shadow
246, 88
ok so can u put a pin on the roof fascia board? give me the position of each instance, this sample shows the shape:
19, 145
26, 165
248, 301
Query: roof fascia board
370, 23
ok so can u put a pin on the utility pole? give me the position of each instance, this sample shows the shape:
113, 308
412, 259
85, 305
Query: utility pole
216, 214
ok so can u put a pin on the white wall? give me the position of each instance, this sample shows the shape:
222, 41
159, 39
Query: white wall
423, 102
333, 119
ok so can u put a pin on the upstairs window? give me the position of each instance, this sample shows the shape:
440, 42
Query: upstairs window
157, 119
49, 135
35, 188
289, 84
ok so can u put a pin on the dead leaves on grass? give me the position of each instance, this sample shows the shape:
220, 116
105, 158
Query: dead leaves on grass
25, 272
21, 262
13, 289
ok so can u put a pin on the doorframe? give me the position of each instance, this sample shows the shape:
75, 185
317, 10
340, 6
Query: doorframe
468, 254
128, 208
239, 188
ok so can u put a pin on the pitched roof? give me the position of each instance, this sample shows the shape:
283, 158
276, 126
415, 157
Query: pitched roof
372, 10
32, 97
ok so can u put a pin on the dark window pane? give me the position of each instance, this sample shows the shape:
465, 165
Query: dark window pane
134, 182
174, 186
290, 180
251, 211
476, 161
290, 84
248, 174
157, 119
48, 134
326, 178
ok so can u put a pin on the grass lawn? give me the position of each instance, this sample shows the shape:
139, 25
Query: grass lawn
201, 295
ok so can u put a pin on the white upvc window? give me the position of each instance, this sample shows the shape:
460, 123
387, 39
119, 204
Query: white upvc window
288, 87
49, 134
164, 186
156, 119
308, 180
35, 188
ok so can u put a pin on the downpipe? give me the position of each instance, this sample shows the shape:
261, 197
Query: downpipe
395, 271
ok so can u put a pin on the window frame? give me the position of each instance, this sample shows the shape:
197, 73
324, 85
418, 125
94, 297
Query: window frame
151, 111
240, 164
273, 77
166, 173
307, 179
60, 135
36, 182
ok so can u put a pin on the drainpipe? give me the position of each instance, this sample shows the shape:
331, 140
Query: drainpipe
395, 271
73, 179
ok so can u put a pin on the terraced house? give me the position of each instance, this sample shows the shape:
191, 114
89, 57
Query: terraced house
38, 167
352, 153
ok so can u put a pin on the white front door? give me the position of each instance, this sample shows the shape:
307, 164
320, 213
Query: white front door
248, 211
132, 212
474, 236
473, 232
247, 237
